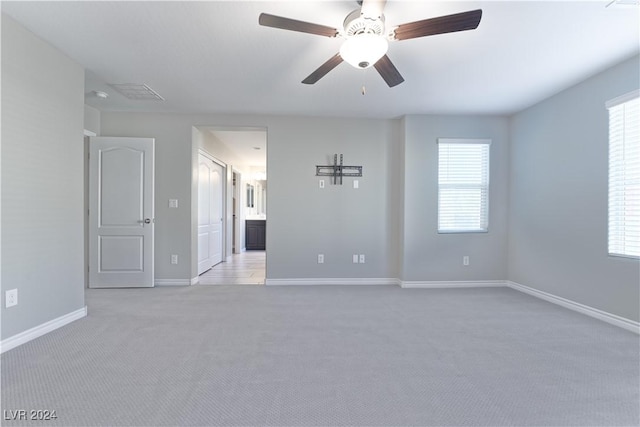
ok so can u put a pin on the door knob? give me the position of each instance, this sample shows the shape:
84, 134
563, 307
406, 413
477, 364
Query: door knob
147, 220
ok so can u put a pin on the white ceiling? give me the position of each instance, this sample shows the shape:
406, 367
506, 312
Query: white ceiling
213, 57
248, 144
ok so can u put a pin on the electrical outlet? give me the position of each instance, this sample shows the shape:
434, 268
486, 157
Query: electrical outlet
173, 203
465, 260
320, 258
361, 258
355, 258
11, 298
174, 259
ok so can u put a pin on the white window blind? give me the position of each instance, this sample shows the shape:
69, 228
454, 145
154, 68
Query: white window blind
463, 185
624, 175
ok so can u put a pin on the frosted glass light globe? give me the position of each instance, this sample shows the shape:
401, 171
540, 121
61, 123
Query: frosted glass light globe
364, 50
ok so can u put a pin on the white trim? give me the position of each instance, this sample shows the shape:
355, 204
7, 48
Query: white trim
40, 330
212, 158
622, 99
173, 282
464, 141
89, 133
195, 280
628, 324
325, 281
452, 284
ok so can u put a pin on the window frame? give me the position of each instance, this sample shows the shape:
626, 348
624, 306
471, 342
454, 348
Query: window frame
466, 141
616, 102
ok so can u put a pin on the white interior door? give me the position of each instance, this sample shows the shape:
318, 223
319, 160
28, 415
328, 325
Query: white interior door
121, 173
210, 209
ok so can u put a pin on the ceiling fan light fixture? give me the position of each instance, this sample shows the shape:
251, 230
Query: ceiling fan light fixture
364, 50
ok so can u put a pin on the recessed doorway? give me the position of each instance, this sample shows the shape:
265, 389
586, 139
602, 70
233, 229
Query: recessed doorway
243, 151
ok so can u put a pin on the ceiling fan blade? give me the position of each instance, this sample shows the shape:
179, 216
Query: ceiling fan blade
372, 8
388, 71
440, 25
332, 63
294, 25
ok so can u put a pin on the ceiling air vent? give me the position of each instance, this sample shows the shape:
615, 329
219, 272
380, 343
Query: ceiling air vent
137, 91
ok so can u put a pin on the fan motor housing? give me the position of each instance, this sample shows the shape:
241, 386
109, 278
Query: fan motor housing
355, 24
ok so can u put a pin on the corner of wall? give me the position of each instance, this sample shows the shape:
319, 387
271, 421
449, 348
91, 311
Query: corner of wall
31, 156
91, 120
557, 236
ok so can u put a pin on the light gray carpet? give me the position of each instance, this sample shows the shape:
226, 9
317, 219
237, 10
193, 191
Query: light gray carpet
341, 355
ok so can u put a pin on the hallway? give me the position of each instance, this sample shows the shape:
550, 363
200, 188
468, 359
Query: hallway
246, 268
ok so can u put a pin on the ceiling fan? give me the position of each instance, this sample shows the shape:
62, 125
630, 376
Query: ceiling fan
367, 38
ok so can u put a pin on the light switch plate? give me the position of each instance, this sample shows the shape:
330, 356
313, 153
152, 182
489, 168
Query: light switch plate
321, 183
356, 183
173, 203
11, 298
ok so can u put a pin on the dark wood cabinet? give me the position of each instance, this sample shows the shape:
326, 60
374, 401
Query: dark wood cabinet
255, 234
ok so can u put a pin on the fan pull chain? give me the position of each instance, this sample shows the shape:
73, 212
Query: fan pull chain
363, 89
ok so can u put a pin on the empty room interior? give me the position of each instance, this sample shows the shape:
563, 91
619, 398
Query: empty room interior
320, 213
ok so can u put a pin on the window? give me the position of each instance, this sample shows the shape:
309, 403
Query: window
463, 185
624, 175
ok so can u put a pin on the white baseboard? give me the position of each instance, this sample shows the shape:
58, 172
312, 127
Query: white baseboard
629, 325
452, 284
173, 282
40, 330
321, 281
387, 281
195, 280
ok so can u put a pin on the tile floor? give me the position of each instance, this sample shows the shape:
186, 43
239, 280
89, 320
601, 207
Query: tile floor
246, 268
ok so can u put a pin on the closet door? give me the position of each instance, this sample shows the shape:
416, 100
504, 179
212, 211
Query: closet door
210, 213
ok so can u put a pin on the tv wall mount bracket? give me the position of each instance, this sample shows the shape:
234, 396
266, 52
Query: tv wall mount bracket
338, 170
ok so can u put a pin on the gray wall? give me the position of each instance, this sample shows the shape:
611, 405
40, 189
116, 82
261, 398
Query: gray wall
302, 219
338, 221
391, 218
42, 180
427, 255
92, 119
558, 209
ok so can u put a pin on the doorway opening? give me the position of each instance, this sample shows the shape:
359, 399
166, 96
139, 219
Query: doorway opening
242, 151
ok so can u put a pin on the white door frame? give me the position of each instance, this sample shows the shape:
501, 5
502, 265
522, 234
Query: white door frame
239, 212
